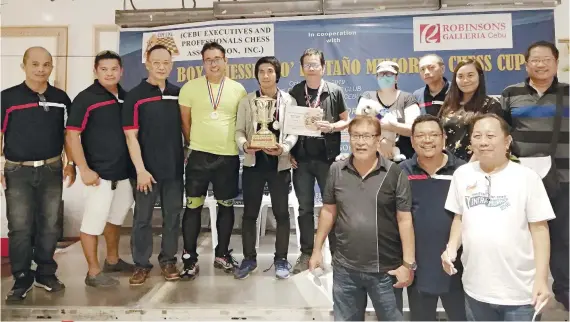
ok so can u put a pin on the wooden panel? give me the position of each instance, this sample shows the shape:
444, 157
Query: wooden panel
102, 34
41, 35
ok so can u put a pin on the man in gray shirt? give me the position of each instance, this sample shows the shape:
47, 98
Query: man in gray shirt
368, 201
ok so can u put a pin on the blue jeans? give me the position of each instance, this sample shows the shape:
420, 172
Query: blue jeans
33, 198
480, 311
351, 287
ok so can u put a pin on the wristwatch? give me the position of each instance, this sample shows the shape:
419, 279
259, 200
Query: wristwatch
70, 163
411, 266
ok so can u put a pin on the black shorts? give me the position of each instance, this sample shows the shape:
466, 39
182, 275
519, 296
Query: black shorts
221, 170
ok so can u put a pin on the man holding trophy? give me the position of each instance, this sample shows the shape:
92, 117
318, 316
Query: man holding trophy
259, 133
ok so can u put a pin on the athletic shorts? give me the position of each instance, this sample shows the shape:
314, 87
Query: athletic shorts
221, 170
104, 205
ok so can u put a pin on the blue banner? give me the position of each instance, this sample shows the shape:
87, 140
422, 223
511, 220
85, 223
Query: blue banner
353, 46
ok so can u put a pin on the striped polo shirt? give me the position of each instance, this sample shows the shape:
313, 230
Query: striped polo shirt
531, 117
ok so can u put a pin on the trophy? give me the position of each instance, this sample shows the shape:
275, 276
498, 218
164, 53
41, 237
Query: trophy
264, 109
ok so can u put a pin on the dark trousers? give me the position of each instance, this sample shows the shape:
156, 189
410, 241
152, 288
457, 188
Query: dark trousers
423, 306
480, 311
254, 180
33, 197
351, 287
559, 246
170, 192
304, 182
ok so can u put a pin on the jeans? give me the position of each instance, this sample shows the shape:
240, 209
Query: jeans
170, 192
253, 183
480, 311
423, 306
559, 246
304, 183
351, 287
33, 198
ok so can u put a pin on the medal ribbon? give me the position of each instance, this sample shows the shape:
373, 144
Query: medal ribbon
318, 99
215, 103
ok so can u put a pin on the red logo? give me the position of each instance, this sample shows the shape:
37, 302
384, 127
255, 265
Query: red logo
430, 33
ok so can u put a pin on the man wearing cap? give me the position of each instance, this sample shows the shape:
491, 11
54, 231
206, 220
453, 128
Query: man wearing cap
431, 97
32, 140
313, 156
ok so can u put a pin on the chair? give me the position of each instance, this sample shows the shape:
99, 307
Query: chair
212, 205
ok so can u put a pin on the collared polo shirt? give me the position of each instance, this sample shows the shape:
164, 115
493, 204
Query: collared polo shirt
156, 116
432, 224
30, 132
428, 103
216, 136
531, 117
366, 227
332, 102
96, 113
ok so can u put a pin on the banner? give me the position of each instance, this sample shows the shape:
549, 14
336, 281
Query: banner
352, 46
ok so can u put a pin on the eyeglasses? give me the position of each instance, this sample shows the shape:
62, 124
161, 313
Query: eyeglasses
216, 61
367, 137
43, 102
311, 65
536, 61
424, 136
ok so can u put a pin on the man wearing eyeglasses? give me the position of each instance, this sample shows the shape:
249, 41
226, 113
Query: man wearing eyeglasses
429, 172
537, 111
209, 106
32, 141
367, 202
95, 135
312, 157
151, 121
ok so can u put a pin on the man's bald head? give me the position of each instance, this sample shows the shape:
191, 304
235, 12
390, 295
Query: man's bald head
36, 51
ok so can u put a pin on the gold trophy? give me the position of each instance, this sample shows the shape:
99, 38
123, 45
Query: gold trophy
263, 113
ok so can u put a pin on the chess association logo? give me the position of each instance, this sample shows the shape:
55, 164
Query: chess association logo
430, 33
166, 41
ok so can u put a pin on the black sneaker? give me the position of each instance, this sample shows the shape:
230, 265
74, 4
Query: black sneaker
49, 282
227, 262
22, 286
120, 266
191, 268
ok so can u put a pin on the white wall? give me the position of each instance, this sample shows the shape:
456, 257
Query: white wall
81, 16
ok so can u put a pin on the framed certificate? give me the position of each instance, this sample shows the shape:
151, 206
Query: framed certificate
301, 120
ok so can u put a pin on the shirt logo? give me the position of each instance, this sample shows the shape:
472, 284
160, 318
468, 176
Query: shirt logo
482, 199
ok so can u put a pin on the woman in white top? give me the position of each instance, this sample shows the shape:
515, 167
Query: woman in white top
501, 218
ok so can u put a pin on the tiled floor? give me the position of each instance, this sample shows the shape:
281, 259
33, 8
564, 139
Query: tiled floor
214, 295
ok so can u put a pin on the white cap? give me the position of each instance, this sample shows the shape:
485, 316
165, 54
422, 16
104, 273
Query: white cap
387, 66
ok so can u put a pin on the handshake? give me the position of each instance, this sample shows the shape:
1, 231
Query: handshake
370, 107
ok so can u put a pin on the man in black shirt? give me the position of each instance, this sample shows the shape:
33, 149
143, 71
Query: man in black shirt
312, 156
152, 124
367, 202
430, 97
97, 141
33, 132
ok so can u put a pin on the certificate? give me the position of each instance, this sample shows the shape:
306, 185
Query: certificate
301, 120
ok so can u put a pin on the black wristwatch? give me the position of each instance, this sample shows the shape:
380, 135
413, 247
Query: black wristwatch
411, 266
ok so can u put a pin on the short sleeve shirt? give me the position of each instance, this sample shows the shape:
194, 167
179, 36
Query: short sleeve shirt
96, 113
366, 228
406, 110
156, 115
33, 124
207, 134
498, 253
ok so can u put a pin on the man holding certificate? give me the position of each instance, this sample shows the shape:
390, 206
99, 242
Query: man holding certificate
312, 156
209, 108
259, 133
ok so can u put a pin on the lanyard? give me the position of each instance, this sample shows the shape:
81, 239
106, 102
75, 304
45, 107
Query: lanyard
318, 99
215, 103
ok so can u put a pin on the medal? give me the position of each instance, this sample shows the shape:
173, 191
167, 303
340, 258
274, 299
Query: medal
276, 125
215, 103
318, 99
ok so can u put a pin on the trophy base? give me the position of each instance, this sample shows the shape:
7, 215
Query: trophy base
263, 141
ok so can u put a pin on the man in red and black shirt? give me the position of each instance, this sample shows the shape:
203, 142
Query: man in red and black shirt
97, 141
153, 127
32, 116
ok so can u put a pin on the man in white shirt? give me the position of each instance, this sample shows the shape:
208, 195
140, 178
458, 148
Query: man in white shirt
501, 218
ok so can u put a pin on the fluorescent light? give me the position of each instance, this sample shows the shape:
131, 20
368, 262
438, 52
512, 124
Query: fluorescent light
454, 4
257, 9
371, 6
162, 17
